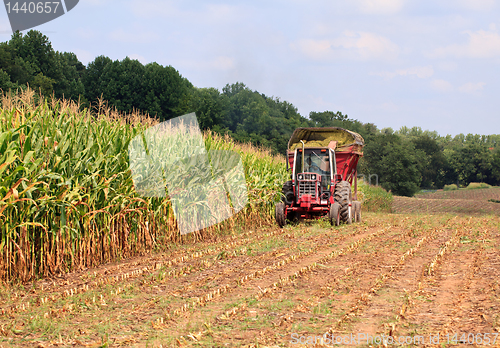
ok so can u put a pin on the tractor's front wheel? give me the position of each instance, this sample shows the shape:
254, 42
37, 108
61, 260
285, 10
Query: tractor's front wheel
334, 214
287, 191
280, 215
344, 197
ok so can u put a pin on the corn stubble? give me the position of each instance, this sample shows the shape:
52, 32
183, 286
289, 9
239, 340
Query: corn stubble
67, 199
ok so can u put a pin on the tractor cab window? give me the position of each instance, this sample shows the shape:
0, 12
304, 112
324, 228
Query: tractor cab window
315, 161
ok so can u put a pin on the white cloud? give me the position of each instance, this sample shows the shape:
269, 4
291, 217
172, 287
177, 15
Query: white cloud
84, 56
472, 87
389, 107
97, 2
481, 44
153, 8
204, 13
220, 63
422, 72
5, 29
319, 103
137, 36
318, 49
139, 58
217, 13
86, 33
380, 6
385, 74
441, 85
419, 71
477, 5
447, 66
351, 45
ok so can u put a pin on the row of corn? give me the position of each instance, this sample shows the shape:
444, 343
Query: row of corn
67, 199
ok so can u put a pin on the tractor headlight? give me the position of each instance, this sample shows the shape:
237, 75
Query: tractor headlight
300, 176
313, 177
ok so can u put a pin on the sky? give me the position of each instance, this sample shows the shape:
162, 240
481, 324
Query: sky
429, 64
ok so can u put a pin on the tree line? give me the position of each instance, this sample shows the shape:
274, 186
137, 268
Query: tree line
405, 160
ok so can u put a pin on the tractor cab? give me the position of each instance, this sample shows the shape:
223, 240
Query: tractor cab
314, 173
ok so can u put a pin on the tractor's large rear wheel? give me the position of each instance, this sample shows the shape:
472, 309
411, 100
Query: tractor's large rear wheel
280, 215
344, 197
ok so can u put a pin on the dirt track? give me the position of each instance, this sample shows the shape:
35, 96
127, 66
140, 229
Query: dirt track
392, 275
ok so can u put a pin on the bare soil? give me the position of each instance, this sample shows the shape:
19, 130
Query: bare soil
394, 276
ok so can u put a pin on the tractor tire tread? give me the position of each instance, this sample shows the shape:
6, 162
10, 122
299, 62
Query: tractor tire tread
280, 214
287, 193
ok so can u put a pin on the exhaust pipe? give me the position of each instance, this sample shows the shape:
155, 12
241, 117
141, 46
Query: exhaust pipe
303, 155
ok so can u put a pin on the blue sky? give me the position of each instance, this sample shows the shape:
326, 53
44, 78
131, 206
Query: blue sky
431, 64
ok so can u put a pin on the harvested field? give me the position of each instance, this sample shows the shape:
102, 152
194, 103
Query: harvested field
464, 201
415, 275
483, 194
407, 205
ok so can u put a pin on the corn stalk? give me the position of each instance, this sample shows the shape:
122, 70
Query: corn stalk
67, 199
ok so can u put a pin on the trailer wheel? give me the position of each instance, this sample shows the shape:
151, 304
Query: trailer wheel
280, 214
354, 211
343, 197
357, 211
334, 214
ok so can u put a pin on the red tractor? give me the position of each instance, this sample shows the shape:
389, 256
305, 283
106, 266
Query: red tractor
323, 162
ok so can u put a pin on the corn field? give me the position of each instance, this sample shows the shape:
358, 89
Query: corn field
67, 199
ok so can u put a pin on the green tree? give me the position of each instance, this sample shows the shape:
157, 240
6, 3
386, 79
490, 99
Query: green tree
263, 120
495, 167
122, 84
433, 163
7, 59
92, 78
338, 119
168, 93
30, 60
472, 162
5, 83
35, 48
23, 72
68, 78
327, 118
210, 107
127, 85
233, 89
43, 84
395, 161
